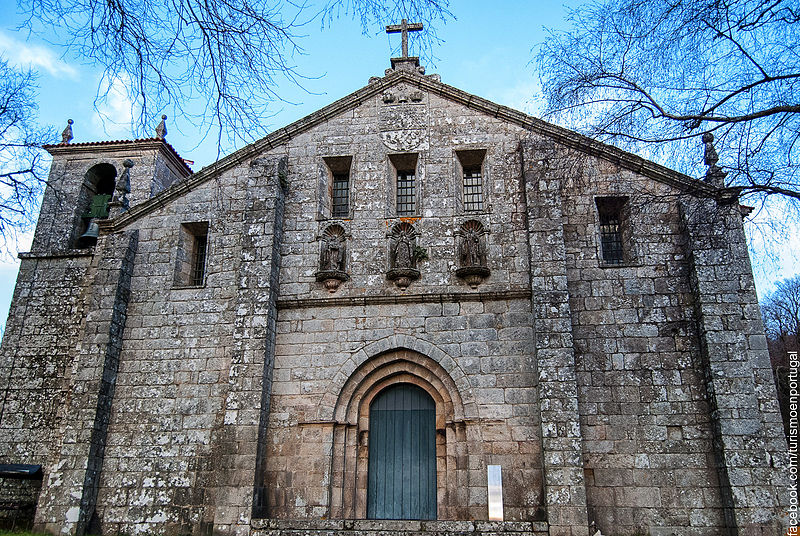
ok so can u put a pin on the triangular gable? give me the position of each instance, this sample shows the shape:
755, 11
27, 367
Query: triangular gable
566, 137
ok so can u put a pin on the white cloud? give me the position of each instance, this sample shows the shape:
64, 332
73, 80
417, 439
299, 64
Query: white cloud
35, 56
10, 245
115, 108
523, 96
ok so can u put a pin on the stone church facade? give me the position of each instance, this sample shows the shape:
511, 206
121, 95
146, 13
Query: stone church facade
349, 321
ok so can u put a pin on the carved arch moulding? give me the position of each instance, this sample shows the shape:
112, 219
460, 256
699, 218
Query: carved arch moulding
349, 461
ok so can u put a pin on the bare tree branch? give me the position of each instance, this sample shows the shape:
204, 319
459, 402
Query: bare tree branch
22, 173
231, 56
653, 75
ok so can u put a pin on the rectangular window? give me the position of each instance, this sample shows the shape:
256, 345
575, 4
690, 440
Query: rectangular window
190, 267
199, 260
470, 164
402, 188
340, 206
610, 212
406, 193
473, 189
334, 192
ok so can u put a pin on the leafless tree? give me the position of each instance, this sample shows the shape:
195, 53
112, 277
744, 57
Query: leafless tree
22, 175
781, 313
654, 75
232, 56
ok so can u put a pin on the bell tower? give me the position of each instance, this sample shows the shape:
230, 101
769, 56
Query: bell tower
88, 179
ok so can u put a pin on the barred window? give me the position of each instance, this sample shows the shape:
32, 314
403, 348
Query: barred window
470, 166
473, 189
406, 193
190, 268
340, 196
334, 187
199, 259
610, 212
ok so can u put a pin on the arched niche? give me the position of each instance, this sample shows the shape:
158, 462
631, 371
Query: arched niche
96, 192
332, 257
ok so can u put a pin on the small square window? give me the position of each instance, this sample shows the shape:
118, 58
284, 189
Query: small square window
404, 189
199, 260
470, 164
473, 189
190, 267
335, 187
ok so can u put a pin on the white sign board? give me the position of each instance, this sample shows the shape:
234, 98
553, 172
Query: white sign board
495, 479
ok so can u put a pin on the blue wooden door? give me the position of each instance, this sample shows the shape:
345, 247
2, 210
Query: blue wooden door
402, 454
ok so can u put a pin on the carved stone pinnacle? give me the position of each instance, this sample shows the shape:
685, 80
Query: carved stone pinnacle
66, 135
711, 157
161, 129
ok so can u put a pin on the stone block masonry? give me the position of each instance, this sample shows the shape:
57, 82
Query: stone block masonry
69, 498
565, 490
625, 391
749, 443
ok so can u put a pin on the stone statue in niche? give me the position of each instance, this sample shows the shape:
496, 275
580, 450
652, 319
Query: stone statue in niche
472, 254
403, 250
403, 255
332, 258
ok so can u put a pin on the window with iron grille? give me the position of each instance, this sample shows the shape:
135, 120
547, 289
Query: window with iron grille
190, 267
406, 193
469, 163
473, 189
340, 196
610, 212
199, 260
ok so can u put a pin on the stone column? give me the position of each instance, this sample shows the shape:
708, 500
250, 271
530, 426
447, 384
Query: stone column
564, 488
751, 450
69, 493
239, 444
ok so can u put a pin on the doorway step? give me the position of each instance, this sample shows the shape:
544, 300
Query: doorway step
372, 527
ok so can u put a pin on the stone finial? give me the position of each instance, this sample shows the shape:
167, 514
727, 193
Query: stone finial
711, 157
161, 129
405, 62
714, 175
66, 136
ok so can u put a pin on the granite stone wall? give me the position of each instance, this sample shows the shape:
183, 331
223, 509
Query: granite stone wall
645, 419
36, 359
200, 408
482, 345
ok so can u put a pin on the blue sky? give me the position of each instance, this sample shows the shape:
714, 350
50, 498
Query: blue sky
486, 51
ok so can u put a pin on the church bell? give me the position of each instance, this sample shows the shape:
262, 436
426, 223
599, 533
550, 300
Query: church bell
89, 238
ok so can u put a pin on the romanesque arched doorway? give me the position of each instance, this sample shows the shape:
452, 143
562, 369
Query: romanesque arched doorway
402, 454
353, 432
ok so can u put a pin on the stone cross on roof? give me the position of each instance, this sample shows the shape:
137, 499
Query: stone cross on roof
404, 27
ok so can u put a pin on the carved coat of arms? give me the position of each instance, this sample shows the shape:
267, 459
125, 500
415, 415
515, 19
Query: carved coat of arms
403, 118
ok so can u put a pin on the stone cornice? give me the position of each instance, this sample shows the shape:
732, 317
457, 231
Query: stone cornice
68, 254
89, 149
447, 297
277, 138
